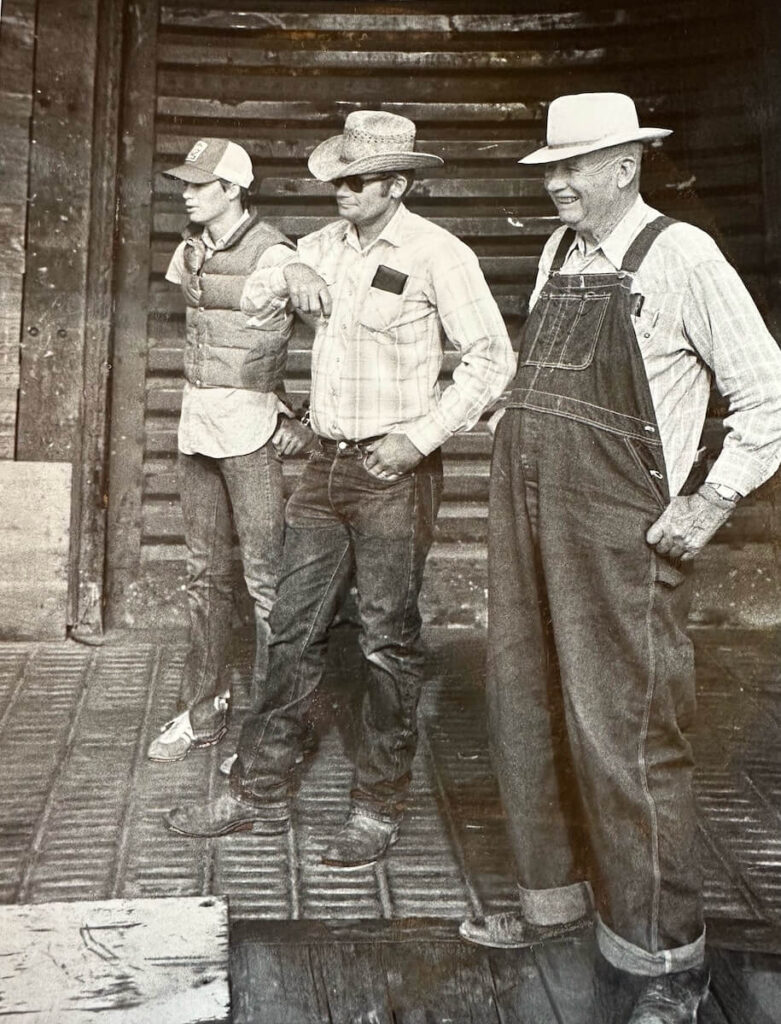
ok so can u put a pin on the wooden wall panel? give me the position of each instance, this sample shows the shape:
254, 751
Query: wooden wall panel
17, 48
280, 77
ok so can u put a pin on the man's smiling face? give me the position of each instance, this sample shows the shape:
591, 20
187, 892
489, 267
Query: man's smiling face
585, 191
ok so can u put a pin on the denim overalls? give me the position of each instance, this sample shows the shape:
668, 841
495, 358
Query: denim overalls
590, 672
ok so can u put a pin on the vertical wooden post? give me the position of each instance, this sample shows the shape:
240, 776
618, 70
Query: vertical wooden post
92, 481
67, 288
126, 455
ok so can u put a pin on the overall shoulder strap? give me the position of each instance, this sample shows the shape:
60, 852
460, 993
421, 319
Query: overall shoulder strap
561, 253
638, 250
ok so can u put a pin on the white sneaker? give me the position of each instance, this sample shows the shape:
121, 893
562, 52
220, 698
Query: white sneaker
175, 739
178, 737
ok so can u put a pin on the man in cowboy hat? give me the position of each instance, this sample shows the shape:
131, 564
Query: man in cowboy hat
391, 288
232, 429
596, 511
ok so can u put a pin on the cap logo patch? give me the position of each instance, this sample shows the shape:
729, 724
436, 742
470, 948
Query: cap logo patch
195, 152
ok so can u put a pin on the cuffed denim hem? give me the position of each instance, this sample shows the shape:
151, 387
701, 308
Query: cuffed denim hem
556, 906
370, 810
627, 957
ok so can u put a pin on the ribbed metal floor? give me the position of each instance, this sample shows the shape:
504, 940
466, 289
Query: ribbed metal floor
80, 805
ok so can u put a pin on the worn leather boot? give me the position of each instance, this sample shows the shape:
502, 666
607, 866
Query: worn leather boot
511, 930
227, 814
672, 998
362, 839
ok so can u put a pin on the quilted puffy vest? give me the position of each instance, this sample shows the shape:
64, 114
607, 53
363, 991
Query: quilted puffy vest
221, 350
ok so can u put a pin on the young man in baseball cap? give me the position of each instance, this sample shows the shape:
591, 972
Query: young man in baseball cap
232, 430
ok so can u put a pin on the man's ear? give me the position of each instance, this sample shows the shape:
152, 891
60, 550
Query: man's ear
398, 186
627, 169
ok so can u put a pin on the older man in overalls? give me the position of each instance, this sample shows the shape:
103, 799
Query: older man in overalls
596, 511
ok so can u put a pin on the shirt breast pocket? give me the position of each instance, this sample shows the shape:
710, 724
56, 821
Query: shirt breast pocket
396, 318
381, 311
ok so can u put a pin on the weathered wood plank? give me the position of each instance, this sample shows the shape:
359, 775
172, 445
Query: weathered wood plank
276, 983
440, 24
131, 960
34, 547
310, 111
208, 55
13, 217
354, 981
439, 982
90, 550
519, 989
10, 312
567, 968
748, 986
767, 111
507, 184
412, 85
57, 233
17, 50
132, 269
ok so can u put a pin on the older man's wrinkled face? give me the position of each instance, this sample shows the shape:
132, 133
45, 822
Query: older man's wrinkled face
587, 193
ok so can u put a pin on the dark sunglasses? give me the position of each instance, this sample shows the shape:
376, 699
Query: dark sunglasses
356, 182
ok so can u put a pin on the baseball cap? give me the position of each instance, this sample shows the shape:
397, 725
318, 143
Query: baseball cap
210, 159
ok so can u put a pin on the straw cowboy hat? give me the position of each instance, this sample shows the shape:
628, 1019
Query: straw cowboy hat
373, 141
589, 121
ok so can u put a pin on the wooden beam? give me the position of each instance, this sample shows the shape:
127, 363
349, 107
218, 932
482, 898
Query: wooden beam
90, 549
126, 455
67, 288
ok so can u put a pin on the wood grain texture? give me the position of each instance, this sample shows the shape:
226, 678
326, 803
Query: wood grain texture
34, 548
134, 961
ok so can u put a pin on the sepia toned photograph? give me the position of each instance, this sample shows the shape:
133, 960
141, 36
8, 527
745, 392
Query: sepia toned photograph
390, 532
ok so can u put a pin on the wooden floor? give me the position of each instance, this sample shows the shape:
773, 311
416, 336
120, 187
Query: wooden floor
80, 820
408, 972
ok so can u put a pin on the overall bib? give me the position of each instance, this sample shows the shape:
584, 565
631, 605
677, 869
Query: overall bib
590, 671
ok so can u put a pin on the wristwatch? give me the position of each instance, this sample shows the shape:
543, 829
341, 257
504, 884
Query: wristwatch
720, 491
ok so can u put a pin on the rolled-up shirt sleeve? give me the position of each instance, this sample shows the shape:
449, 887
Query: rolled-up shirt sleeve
473, 324
266, 289
730, 336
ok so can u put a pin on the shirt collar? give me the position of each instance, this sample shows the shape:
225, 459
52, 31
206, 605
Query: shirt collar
220, 243
616, 245
393, 232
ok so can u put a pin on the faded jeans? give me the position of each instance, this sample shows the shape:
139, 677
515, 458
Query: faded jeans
244, 491
342, 521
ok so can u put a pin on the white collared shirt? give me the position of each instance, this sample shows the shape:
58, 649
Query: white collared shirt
698, 323
225, 422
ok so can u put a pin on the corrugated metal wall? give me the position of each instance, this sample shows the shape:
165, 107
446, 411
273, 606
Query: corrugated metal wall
281, 77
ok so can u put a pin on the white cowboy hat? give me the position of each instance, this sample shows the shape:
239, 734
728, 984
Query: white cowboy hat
373, 141
589, 121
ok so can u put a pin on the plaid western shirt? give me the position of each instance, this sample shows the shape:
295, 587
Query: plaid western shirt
376, 359
698, 324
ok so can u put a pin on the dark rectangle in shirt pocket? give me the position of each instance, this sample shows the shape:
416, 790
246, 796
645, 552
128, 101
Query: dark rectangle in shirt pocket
388, 280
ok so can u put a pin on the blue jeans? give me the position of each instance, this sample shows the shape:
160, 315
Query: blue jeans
217, 494
341, 521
